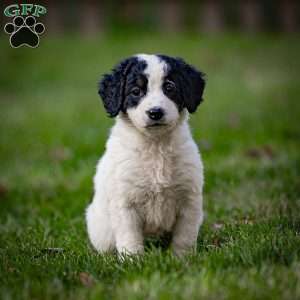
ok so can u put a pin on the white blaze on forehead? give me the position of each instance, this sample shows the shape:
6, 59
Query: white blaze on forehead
155, 69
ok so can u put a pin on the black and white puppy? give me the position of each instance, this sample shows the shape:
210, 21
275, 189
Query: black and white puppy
149, 180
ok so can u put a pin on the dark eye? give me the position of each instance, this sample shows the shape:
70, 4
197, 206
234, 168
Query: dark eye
136, 91
169, 86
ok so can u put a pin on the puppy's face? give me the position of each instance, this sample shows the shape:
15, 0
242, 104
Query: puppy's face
152, 91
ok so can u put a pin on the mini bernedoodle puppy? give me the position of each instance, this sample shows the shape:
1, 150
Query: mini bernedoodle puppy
149, 180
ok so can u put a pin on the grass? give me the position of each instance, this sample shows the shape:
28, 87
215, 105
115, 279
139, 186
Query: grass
53, 130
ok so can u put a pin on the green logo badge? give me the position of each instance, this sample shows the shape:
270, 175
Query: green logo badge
24, 30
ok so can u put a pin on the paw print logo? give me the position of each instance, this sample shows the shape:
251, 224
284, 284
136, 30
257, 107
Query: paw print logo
24, 31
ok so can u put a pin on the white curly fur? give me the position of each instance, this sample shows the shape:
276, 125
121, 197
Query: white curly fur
149, 180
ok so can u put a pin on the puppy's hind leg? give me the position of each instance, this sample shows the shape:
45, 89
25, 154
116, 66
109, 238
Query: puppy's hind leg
99, 228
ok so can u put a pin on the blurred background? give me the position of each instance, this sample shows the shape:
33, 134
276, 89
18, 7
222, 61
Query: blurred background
208, 16
53, 128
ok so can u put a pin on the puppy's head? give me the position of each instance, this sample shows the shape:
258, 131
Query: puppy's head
152, 91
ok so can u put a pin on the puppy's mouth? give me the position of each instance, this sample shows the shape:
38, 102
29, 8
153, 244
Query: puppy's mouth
156, 125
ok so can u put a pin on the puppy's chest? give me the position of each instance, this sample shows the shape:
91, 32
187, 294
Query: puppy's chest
157, 186
155, 170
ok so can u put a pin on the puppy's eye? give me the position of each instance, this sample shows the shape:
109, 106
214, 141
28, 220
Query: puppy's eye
136, 91
169, 86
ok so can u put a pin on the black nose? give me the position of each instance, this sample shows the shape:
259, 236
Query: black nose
155, 113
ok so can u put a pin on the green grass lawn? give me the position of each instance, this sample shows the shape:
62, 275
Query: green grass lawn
53, 130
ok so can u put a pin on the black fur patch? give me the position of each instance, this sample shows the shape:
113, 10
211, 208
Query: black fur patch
115, 88
135, 80
189, 83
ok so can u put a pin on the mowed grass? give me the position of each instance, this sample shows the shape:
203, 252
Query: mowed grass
53, 131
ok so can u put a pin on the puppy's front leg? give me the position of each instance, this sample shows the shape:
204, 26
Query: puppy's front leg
128, 231
187, 227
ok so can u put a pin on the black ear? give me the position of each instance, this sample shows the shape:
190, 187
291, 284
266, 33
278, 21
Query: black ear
192, 85
112, 87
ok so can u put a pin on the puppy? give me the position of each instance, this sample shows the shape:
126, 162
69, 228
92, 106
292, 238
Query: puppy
149, 180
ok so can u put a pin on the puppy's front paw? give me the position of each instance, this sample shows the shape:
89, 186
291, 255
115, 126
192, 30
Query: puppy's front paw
126, 256
131, 250
182, 250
